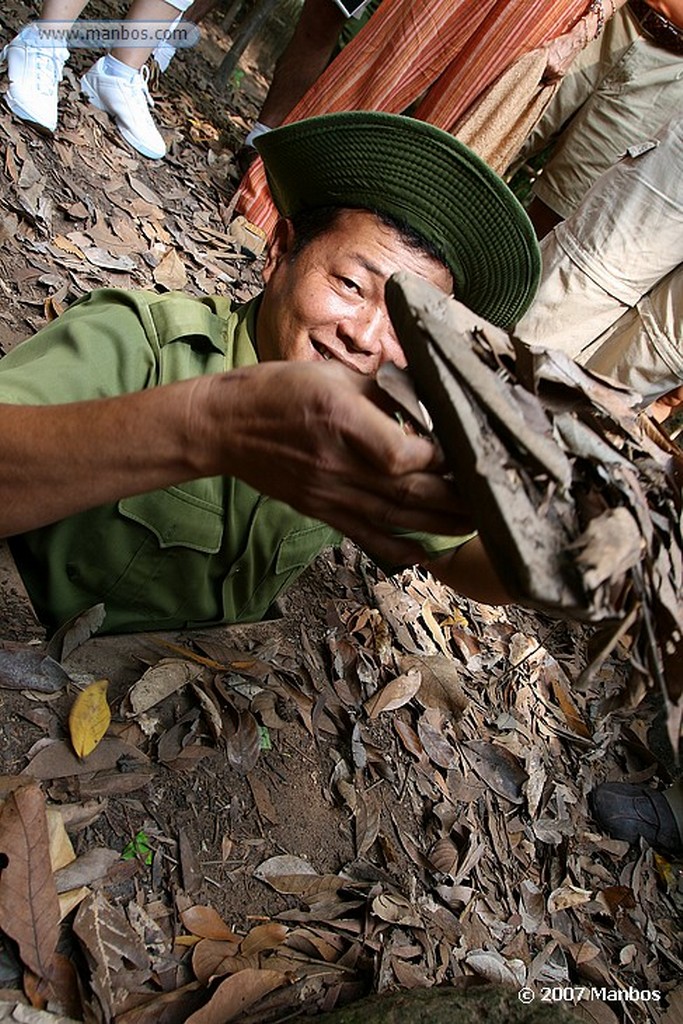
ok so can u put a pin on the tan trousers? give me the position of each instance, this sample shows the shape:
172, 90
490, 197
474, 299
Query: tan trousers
611, 291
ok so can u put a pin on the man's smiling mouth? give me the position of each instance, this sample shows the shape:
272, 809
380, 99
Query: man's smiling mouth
322, 351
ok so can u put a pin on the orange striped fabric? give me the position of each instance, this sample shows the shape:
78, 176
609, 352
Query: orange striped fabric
439, 53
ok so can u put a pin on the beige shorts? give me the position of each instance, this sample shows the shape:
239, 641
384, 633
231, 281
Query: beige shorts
619, 90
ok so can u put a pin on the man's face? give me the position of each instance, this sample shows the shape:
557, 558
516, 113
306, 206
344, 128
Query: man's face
327, 302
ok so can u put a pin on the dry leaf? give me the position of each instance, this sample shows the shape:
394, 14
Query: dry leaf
171, 273
236, 994
367, 818
31, 670
76, 631
91, 866
444, 856
440, 682
29, 908
160, 681
101, 258
410, 975
70, 899
584, 952
89, 718
396, 910
57, 761
248, 236
264, 804
263, 936
109, 940
492, 966
409, 738
61, 849
144, 191
63, 243
568, 896
532, 906
190, 868
436, 745
395, 694
498, 768
674, 1010
208, 924
244, 746
30, 175
213, 959
170, 1007
286, 874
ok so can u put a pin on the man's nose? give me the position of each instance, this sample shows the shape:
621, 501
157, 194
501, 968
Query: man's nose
369, 333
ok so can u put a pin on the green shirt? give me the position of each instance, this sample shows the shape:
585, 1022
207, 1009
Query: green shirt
208, 551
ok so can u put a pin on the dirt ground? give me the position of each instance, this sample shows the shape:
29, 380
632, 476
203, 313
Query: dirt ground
446, 827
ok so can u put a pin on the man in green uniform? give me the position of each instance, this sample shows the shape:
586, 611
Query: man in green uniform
182, 460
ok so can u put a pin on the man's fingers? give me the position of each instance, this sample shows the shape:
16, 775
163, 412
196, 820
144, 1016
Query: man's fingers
394, 551
379, 438
355, 508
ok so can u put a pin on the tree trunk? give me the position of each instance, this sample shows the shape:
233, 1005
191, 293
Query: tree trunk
231, 14
246, 33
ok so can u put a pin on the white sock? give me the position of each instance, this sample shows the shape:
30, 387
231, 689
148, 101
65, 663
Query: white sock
114, 66
258, 129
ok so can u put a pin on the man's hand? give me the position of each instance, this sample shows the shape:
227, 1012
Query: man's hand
561, 53
312, 435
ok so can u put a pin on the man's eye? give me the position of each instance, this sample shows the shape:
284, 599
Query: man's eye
349, 283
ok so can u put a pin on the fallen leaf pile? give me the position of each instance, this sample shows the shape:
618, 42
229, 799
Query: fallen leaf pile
449, 740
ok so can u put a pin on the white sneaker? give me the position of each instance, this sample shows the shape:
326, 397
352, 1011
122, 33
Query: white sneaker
128, 102
34, 75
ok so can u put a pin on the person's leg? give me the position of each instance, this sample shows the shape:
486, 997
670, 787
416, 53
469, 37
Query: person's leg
117, 83
644, 349
625, 236
303, 60
62, 10
301, 63
35, 61
159, 11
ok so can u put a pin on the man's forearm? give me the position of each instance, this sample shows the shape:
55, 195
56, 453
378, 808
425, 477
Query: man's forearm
468, 571
59, 460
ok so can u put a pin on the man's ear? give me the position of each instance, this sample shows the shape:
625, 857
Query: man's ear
281, 246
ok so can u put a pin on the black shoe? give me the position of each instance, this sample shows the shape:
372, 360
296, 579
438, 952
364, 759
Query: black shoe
636, 812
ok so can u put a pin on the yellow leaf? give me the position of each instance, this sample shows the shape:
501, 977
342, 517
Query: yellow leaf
61, 849
89, 718
69, 900
63, 243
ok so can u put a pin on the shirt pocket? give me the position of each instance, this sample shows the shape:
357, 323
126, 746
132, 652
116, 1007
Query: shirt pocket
281, 543
168, 579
